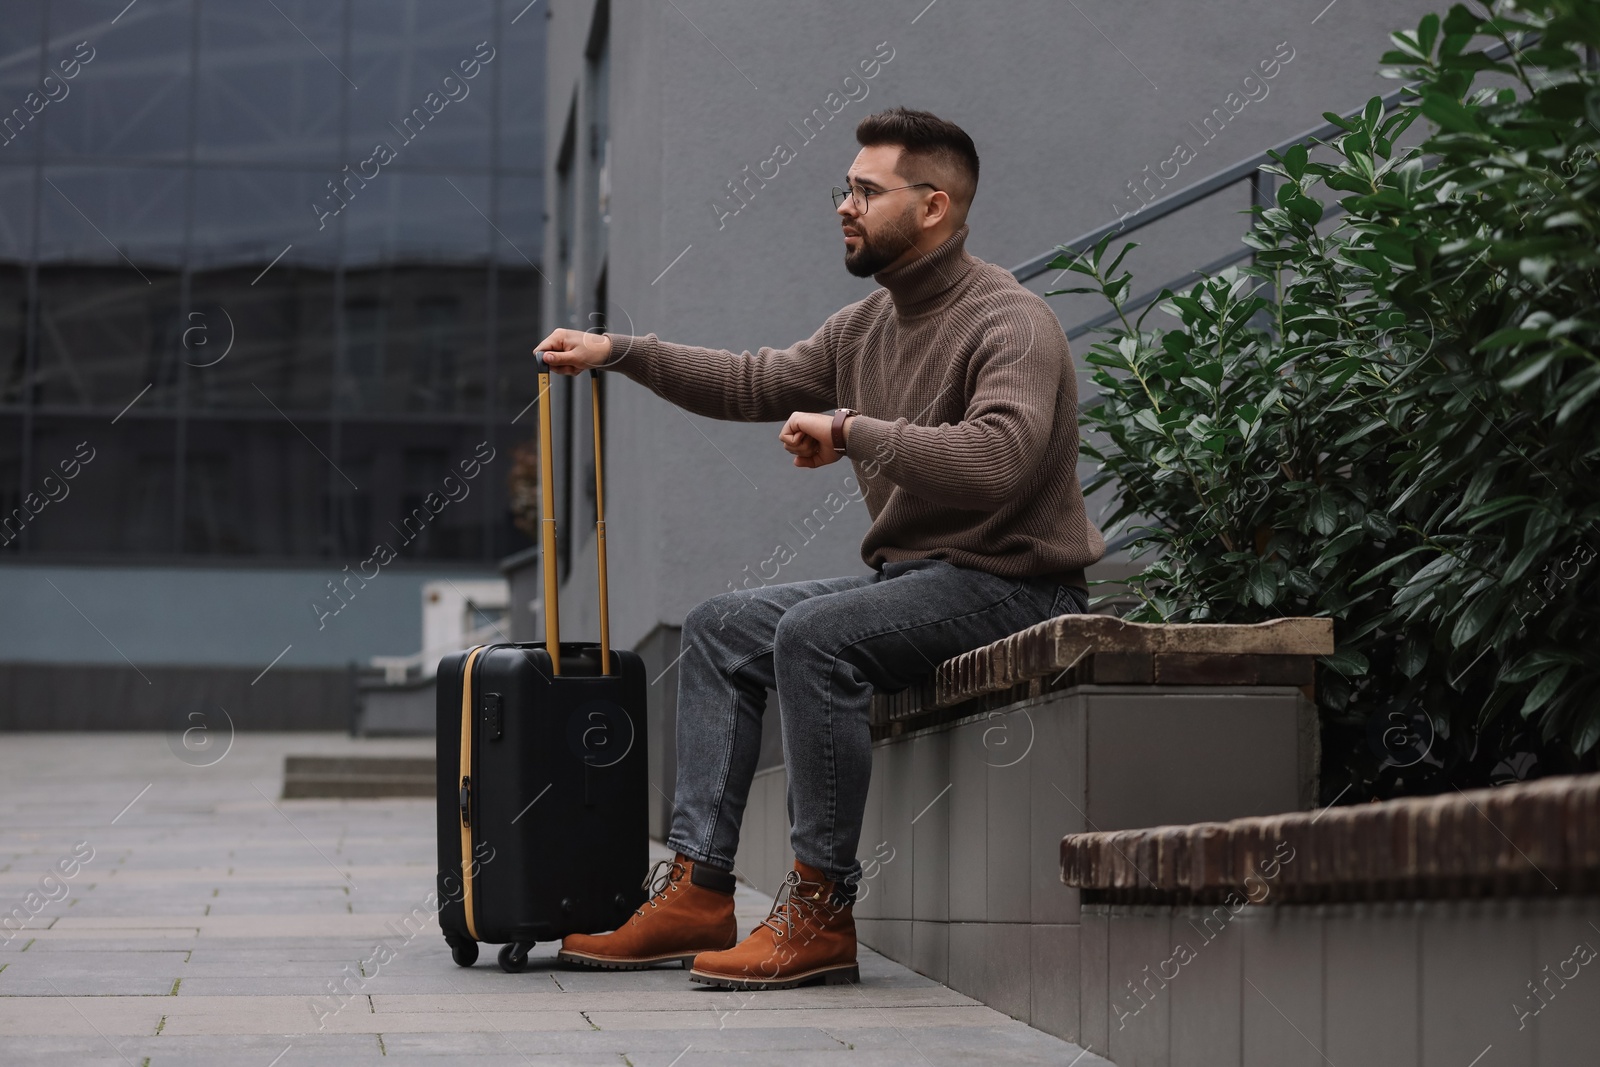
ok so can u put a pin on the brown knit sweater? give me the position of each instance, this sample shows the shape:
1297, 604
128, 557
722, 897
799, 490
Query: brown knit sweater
967, 443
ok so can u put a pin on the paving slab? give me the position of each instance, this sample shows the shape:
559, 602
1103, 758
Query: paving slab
213, 922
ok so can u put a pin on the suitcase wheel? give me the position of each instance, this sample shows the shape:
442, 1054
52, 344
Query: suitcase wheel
465, 953
514, 957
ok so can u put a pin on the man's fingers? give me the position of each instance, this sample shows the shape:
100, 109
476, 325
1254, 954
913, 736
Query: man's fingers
560, 362
571, 352
555, 342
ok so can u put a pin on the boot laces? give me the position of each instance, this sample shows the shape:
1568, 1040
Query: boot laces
787, 908
659, 880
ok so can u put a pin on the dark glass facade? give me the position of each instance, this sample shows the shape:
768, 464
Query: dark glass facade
278, 266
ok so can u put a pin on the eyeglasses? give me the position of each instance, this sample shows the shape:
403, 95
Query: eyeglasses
859, 197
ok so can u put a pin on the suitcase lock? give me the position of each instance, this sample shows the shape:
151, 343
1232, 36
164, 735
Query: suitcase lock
466, 801
494, 716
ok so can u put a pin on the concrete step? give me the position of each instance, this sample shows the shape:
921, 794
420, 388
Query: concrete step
358, 776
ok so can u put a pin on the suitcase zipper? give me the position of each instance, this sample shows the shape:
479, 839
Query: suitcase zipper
466, 792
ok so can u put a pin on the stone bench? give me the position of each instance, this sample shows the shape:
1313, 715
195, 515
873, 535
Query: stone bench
1418, 931
1072, 650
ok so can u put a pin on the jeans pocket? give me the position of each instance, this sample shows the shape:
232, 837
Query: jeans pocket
1070, 600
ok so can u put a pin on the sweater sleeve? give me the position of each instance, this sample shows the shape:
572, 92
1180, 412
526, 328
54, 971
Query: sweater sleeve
986, 458
766, 386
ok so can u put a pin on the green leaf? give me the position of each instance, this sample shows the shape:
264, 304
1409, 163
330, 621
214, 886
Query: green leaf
1360, 432
1323, 514
1537, 663
1332, 549
1584, 394
1262, 583
1473, 619
1449, 114
1584, 738
1537, 533
1490, 510
1413, 654
1392, 562
1526, 371
1307, 208
1294, 161
1346, 661
1380, 525
1461, 22
1428, 32
1544, 689
1124, 250
1565, 218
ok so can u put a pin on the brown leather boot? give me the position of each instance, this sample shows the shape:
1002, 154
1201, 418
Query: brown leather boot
809, 937
690, 911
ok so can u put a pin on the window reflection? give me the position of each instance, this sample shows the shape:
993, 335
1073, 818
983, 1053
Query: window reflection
122, 498
125, 89
261, 377
414, 341
13, 332
105, 335
281, 332
266, 94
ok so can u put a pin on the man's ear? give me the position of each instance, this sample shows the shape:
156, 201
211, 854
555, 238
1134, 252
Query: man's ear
938, 209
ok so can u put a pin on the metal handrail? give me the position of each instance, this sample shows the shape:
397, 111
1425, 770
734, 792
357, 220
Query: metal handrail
1161, 207
1144, 298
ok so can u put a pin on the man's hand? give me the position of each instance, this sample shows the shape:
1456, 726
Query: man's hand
809, 438
572, 352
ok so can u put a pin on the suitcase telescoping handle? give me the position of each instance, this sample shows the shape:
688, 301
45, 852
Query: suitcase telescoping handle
547, 525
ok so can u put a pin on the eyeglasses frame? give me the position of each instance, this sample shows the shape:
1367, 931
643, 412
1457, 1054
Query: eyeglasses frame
839, 195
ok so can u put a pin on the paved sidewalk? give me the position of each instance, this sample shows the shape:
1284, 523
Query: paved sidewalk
184, 915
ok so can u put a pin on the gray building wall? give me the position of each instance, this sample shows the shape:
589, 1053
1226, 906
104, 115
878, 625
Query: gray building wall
1067, 104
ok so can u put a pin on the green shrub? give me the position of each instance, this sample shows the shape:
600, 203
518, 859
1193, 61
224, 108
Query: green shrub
1393, 422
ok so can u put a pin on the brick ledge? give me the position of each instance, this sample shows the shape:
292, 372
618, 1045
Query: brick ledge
1526, 839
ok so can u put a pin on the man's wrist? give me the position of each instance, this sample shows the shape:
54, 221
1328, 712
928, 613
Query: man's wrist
626, 351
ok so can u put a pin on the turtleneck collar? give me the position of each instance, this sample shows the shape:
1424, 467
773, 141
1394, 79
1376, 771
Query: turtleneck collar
916, 286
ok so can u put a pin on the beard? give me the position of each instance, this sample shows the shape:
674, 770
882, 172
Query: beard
878, 252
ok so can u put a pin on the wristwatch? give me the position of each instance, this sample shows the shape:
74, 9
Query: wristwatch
839, 415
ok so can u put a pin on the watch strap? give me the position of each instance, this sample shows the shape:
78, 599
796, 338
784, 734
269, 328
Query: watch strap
839, 416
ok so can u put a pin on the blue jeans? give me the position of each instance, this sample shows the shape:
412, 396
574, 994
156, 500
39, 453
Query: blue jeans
825, 646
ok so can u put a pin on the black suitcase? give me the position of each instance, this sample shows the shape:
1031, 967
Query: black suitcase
543, 824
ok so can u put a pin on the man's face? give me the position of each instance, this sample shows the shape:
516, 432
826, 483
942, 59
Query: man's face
874, 240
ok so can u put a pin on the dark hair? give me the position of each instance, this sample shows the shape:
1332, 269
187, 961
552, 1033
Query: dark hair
925, 138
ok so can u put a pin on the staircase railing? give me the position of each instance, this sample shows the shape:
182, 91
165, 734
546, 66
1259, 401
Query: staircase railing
1262, 192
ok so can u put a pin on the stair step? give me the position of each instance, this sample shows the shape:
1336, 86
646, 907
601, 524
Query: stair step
358, 777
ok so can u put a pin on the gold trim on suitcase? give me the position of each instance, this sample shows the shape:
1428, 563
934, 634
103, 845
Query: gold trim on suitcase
466, 791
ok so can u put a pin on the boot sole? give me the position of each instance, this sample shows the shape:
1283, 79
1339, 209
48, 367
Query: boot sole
635, 963
846, 974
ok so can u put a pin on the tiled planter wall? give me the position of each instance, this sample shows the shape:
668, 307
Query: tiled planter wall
961, 843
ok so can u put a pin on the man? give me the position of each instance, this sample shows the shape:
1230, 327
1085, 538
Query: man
954, 398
